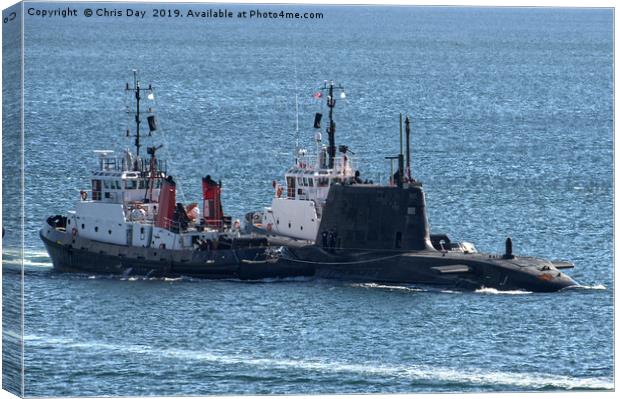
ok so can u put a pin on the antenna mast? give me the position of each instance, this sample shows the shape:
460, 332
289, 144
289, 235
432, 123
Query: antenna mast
136, 89
408, 139
296, 118
296, 127
331, 129
296, 115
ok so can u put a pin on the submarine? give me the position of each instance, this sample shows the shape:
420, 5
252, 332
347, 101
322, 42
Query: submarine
328, 220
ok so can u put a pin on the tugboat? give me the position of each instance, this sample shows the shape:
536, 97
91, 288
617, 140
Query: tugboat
131, 223
346, 228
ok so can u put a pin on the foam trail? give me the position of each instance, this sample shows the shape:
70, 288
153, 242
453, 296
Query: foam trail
294, 279
494, 291
37, 259
29, 253
387, 287
592, 287
26, 262
36, 253
16, 335
597, 287
415, 372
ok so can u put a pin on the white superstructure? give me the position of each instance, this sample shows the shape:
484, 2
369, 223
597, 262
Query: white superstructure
296, 208
132, 200
123, 204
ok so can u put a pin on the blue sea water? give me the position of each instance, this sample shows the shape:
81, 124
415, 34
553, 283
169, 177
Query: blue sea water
512, 136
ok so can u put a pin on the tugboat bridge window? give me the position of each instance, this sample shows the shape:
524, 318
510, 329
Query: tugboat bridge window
96, 190
290, 184
131, 184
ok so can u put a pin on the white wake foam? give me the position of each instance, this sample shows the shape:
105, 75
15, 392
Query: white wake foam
592, 287
31, 258
493, 291
29, 253
414, 372
386, 287
26, 262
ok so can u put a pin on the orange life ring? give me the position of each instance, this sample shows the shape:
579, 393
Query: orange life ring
83, 195
74, 232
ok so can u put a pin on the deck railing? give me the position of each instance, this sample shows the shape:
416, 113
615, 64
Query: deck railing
120, 164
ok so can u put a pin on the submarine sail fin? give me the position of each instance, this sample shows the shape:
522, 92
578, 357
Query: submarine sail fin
562, 264
452, 269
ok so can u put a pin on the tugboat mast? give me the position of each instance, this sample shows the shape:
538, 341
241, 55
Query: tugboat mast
331, 129
137, 89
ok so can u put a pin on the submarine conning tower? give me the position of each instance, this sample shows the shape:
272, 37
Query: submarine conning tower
378, 217
329, 204
373, 217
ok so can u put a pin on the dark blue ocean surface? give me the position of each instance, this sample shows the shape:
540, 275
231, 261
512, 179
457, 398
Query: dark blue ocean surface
512, 135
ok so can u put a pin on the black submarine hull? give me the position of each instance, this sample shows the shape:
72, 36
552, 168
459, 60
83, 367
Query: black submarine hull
381, 234
87, 256
457, 271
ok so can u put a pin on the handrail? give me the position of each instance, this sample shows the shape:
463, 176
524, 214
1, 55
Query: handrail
119, 164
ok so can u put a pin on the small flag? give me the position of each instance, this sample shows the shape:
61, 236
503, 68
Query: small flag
317, 95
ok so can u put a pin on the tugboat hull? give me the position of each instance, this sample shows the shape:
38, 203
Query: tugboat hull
75, 254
